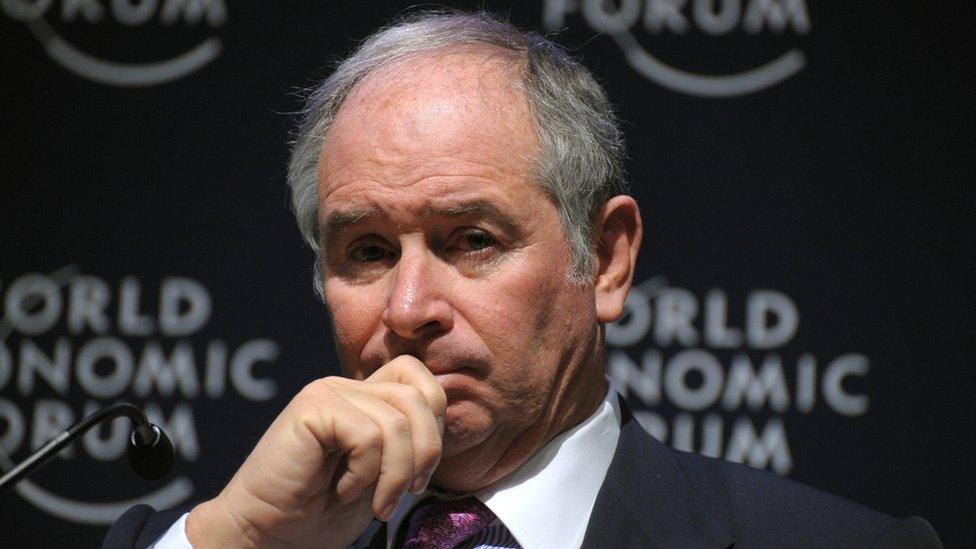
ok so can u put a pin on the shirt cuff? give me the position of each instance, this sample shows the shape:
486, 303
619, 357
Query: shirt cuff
175, 537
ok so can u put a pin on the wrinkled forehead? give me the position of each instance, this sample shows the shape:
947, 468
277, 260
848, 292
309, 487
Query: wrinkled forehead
478, 76
450, 104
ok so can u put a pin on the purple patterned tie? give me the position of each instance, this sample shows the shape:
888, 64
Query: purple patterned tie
445, 524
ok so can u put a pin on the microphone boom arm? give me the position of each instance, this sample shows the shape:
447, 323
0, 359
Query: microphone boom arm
147, 442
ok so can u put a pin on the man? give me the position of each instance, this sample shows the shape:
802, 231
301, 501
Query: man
462, 185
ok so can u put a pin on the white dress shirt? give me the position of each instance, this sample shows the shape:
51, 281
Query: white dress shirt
545, 504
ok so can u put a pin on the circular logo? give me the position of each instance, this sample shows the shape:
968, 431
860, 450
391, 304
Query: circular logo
85, 18
723, 374
706, 19
71, 343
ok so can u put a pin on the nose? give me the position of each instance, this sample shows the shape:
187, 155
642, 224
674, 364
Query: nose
418, 305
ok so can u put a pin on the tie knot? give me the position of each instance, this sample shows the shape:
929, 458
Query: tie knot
445, 524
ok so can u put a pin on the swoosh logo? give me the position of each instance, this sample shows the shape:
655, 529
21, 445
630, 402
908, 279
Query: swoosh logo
171, 495
122, 74
728, 85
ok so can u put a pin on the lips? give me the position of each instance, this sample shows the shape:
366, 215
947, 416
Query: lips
439, 368
441, 359
468, 367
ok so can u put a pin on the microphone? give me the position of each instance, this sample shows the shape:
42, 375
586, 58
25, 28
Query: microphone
150, 451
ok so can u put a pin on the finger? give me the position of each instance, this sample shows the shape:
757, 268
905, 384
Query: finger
396, 460
332, 462
338, 425
409, 370
426, 432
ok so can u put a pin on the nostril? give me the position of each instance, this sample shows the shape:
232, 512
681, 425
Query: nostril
431, 327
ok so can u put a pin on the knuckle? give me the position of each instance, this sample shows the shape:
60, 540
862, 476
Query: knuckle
398, 423
407, 361
316, 393
328, 381
437, 399
407, 395
370, 436
428, 453
309, 394
319, 387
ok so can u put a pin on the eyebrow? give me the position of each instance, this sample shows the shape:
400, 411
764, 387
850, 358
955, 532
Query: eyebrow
478, 209
340, 221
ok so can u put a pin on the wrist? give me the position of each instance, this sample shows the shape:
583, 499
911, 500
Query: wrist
213, 524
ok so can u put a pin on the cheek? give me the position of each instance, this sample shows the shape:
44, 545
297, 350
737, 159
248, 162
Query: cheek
525, 316
354, 320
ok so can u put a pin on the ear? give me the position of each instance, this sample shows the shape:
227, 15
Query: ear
619, 231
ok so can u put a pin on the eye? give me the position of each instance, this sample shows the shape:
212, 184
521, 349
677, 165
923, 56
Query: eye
474, 240
478, 240
369, 253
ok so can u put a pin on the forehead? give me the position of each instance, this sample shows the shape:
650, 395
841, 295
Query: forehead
440, 125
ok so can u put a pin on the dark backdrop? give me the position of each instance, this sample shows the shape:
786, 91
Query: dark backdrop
804, 298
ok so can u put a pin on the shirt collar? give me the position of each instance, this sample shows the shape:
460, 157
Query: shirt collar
547, 502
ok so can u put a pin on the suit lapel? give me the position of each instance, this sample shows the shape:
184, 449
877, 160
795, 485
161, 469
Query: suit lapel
373, 538
647, 501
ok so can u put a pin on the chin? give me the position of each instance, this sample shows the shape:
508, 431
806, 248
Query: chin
461, 473
471, 454
466, 426
468, 463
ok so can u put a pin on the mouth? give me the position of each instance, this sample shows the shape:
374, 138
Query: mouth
452, 372
457, 383
447, 369
458, 379
454, 379
439, 369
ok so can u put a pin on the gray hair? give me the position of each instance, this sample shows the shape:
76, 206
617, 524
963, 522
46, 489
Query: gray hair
580, 165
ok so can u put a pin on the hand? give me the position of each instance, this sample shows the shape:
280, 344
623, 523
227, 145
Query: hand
342, 452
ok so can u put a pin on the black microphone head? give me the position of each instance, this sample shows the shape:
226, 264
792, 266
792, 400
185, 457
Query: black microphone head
153, 461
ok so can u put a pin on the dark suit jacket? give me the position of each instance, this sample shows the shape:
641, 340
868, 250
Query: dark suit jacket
654, 496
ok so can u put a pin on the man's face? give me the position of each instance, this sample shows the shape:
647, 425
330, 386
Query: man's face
438, 244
